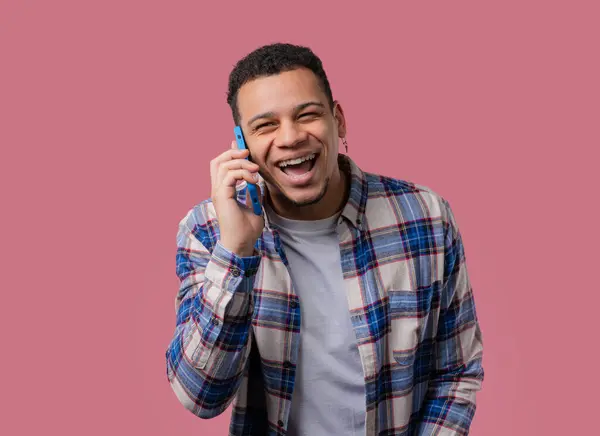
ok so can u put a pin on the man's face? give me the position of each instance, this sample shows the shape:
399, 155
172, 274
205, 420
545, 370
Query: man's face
292, 135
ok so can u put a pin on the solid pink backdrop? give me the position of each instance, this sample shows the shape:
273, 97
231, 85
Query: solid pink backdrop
110, 112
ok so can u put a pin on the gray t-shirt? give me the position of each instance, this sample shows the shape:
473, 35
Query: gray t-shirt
329, 392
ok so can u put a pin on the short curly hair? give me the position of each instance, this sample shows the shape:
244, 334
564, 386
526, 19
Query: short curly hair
273, 59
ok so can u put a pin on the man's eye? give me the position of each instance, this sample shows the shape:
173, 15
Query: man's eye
260, 126
309, 114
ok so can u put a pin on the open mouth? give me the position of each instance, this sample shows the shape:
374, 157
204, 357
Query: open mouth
299, 169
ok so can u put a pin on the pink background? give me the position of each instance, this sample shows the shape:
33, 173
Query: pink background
110, 112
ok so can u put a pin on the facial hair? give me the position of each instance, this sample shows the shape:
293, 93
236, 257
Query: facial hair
287, 201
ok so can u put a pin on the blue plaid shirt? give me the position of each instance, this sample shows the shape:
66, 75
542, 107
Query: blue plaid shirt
410, 302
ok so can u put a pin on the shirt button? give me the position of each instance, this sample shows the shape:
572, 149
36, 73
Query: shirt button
215, 321
280, 423
293, 304
287, 364
235, 272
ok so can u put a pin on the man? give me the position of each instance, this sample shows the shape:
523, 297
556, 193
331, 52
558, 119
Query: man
345, 308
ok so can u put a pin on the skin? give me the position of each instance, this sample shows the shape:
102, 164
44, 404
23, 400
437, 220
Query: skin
282, 116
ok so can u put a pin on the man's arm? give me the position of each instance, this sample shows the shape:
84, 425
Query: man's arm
458, 374
208, 352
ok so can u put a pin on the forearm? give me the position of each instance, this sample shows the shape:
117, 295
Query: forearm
208, 353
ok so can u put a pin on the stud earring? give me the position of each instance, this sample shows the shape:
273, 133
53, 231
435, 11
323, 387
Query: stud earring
345, 143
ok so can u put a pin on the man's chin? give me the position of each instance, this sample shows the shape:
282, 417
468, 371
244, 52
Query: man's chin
305, 201
302, 199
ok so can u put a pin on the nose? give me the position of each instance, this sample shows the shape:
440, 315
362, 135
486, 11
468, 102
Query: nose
290, 134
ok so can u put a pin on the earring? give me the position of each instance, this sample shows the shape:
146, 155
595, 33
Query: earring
345, 143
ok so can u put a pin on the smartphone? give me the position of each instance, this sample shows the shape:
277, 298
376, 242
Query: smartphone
252, 188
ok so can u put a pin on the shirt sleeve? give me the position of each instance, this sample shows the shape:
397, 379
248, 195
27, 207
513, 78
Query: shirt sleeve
209, 349
458, 373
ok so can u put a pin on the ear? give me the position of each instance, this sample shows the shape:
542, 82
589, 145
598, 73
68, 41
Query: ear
338, 114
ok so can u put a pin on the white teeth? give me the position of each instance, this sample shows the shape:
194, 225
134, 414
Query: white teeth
296, 161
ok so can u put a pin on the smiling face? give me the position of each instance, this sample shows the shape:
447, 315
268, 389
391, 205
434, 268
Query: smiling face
292, 134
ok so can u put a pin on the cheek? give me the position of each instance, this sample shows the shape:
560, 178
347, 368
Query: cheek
257, 154
325, 132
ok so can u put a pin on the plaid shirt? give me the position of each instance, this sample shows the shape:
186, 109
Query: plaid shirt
410, 302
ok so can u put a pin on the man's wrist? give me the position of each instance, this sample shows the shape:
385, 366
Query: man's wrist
239, 251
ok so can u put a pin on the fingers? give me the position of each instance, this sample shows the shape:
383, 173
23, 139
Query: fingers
238, 167
230, 168
235, 164
232, 153
232, 176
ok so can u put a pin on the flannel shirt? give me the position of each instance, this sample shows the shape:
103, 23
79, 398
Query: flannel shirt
409, 299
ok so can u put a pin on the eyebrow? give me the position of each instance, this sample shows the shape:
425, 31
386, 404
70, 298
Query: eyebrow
296, 109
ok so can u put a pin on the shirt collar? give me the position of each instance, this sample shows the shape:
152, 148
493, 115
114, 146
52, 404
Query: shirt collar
354, 209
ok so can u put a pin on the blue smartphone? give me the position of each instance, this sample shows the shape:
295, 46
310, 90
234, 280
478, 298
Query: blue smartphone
252, 188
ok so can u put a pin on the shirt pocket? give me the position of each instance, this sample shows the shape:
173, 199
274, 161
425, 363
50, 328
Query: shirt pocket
402, 372
404, 358
408, 311
415, 363
405, 316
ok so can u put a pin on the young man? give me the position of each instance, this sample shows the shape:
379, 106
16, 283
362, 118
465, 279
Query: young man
346, 307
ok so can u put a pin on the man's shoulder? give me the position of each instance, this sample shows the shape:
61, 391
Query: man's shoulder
203, 213
412, 200
199, 223
201, 220
199, 214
